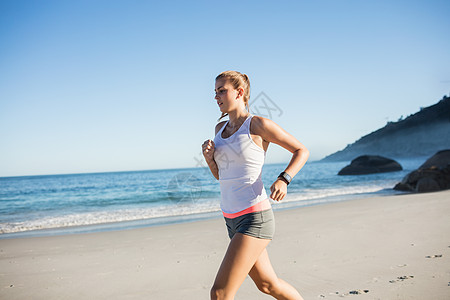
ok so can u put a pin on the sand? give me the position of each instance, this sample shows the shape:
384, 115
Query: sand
394, 247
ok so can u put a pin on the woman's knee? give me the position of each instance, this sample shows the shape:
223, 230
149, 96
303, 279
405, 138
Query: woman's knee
217, 293
269, 287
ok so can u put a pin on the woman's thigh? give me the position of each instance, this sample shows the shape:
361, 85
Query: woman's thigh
241, 255
262, 271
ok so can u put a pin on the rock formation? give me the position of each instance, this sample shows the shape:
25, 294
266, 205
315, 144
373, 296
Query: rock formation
369, 164
433, 175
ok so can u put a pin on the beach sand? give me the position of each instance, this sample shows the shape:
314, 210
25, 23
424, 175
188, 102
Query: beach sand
395, 247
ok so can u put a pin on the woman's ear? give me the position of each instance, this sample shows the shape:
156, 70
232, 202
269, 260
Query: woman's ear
240, 92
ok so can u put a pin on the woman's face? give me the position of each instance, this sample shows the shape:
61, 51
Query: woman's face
226, 95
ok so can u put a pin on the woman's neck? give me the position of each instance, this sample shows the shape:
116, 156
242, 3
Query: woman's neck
237, 118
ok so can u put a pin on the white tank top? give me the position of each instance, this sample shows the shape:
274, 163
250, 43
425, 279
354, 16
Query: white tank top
240, 163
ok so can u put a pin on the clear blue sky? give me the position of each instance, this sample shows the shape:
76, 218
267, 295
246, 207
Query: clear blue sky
89, 86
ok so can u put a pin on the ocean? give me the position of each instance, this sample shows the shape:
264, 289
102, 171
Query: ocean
80, 203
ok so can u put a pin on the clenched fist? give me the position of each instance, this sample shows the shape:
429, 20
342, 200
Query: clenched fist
278, 190
208, 150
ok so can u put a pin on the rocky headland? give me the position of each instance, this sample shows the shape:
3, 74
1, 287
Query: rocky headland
421, 134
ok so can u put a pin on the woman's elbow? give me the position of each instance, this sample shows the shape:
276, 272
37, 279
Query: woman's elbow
303, 152
306, 153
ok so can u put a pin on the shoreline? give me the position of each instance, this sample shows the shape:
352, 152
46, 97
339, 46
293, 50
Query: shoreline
388, 245
84, 203
187, 218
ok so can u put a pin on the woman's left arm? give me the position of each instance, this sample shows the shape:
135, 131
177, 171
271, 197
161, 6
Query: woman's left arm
273, 133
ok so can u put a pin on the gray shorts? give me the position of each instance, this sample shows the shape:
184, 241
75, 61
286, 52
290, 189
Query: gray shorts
260, 224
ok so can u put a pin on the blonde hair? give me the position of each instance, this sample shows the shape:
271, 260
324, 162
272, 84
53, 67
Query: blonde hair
237, 80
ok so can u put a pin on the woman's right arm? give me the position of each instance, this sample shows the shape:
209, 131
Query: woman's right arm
208, 153
208, 148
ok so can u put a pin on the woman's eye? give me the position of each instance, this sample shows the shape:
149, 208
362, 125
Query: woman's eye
221, 92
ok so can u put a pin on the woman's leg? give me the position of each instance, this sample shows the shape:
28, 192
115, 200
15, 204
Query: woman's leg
267, 281
240, 257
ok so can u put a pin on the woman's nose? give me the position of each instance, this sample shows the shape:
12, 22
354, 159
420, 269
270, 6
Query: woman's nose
216, 97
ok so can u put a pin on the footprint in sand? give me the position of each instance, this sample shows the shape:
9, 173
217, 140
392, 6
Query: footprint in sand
354, 292
358, 292
401, 278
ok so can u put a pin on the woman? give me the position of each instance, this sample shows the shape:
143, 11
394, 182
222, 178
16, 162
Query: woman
235, 158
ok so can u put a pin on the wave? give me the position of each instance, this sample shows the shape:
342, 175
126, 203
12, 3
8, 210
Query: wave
305, 197
312, 194
113, 216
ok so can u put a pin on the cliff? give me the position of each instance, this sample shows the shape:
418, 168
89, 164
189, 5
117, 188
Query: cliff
421, 134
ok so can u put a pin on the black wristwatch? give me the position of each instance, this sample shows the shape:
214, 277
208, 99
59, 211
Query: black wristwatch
285, 177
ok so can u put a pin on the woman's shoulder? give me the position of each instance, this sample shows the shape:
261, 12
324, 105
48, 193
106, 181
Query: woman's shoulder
258, 119
259, 122
263, 126
219, 126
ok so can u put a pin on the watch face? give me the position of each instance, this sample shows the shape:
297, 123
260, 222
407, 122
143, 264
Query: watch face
286, 176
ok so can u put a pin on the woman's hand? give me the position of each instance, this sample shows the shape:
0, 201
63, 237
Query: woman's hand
278, 190
208, 150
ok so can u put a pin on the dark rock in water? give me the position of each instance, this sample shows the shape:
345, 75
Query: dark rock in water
440, 160
370, 164
432, 176
427, 184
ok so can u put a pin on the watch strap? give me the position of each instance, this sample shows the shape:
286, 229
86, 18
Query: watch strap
285, 177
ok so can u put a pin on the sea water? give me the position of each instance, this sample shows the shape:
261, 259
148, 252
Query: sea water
74, 203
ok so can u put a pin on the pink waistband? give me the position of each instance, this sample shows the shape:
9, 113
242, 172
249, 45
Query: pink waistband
260, 206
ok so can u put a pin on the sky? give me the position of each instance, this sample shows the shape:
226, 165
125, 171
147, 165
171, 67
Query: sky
100, 86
